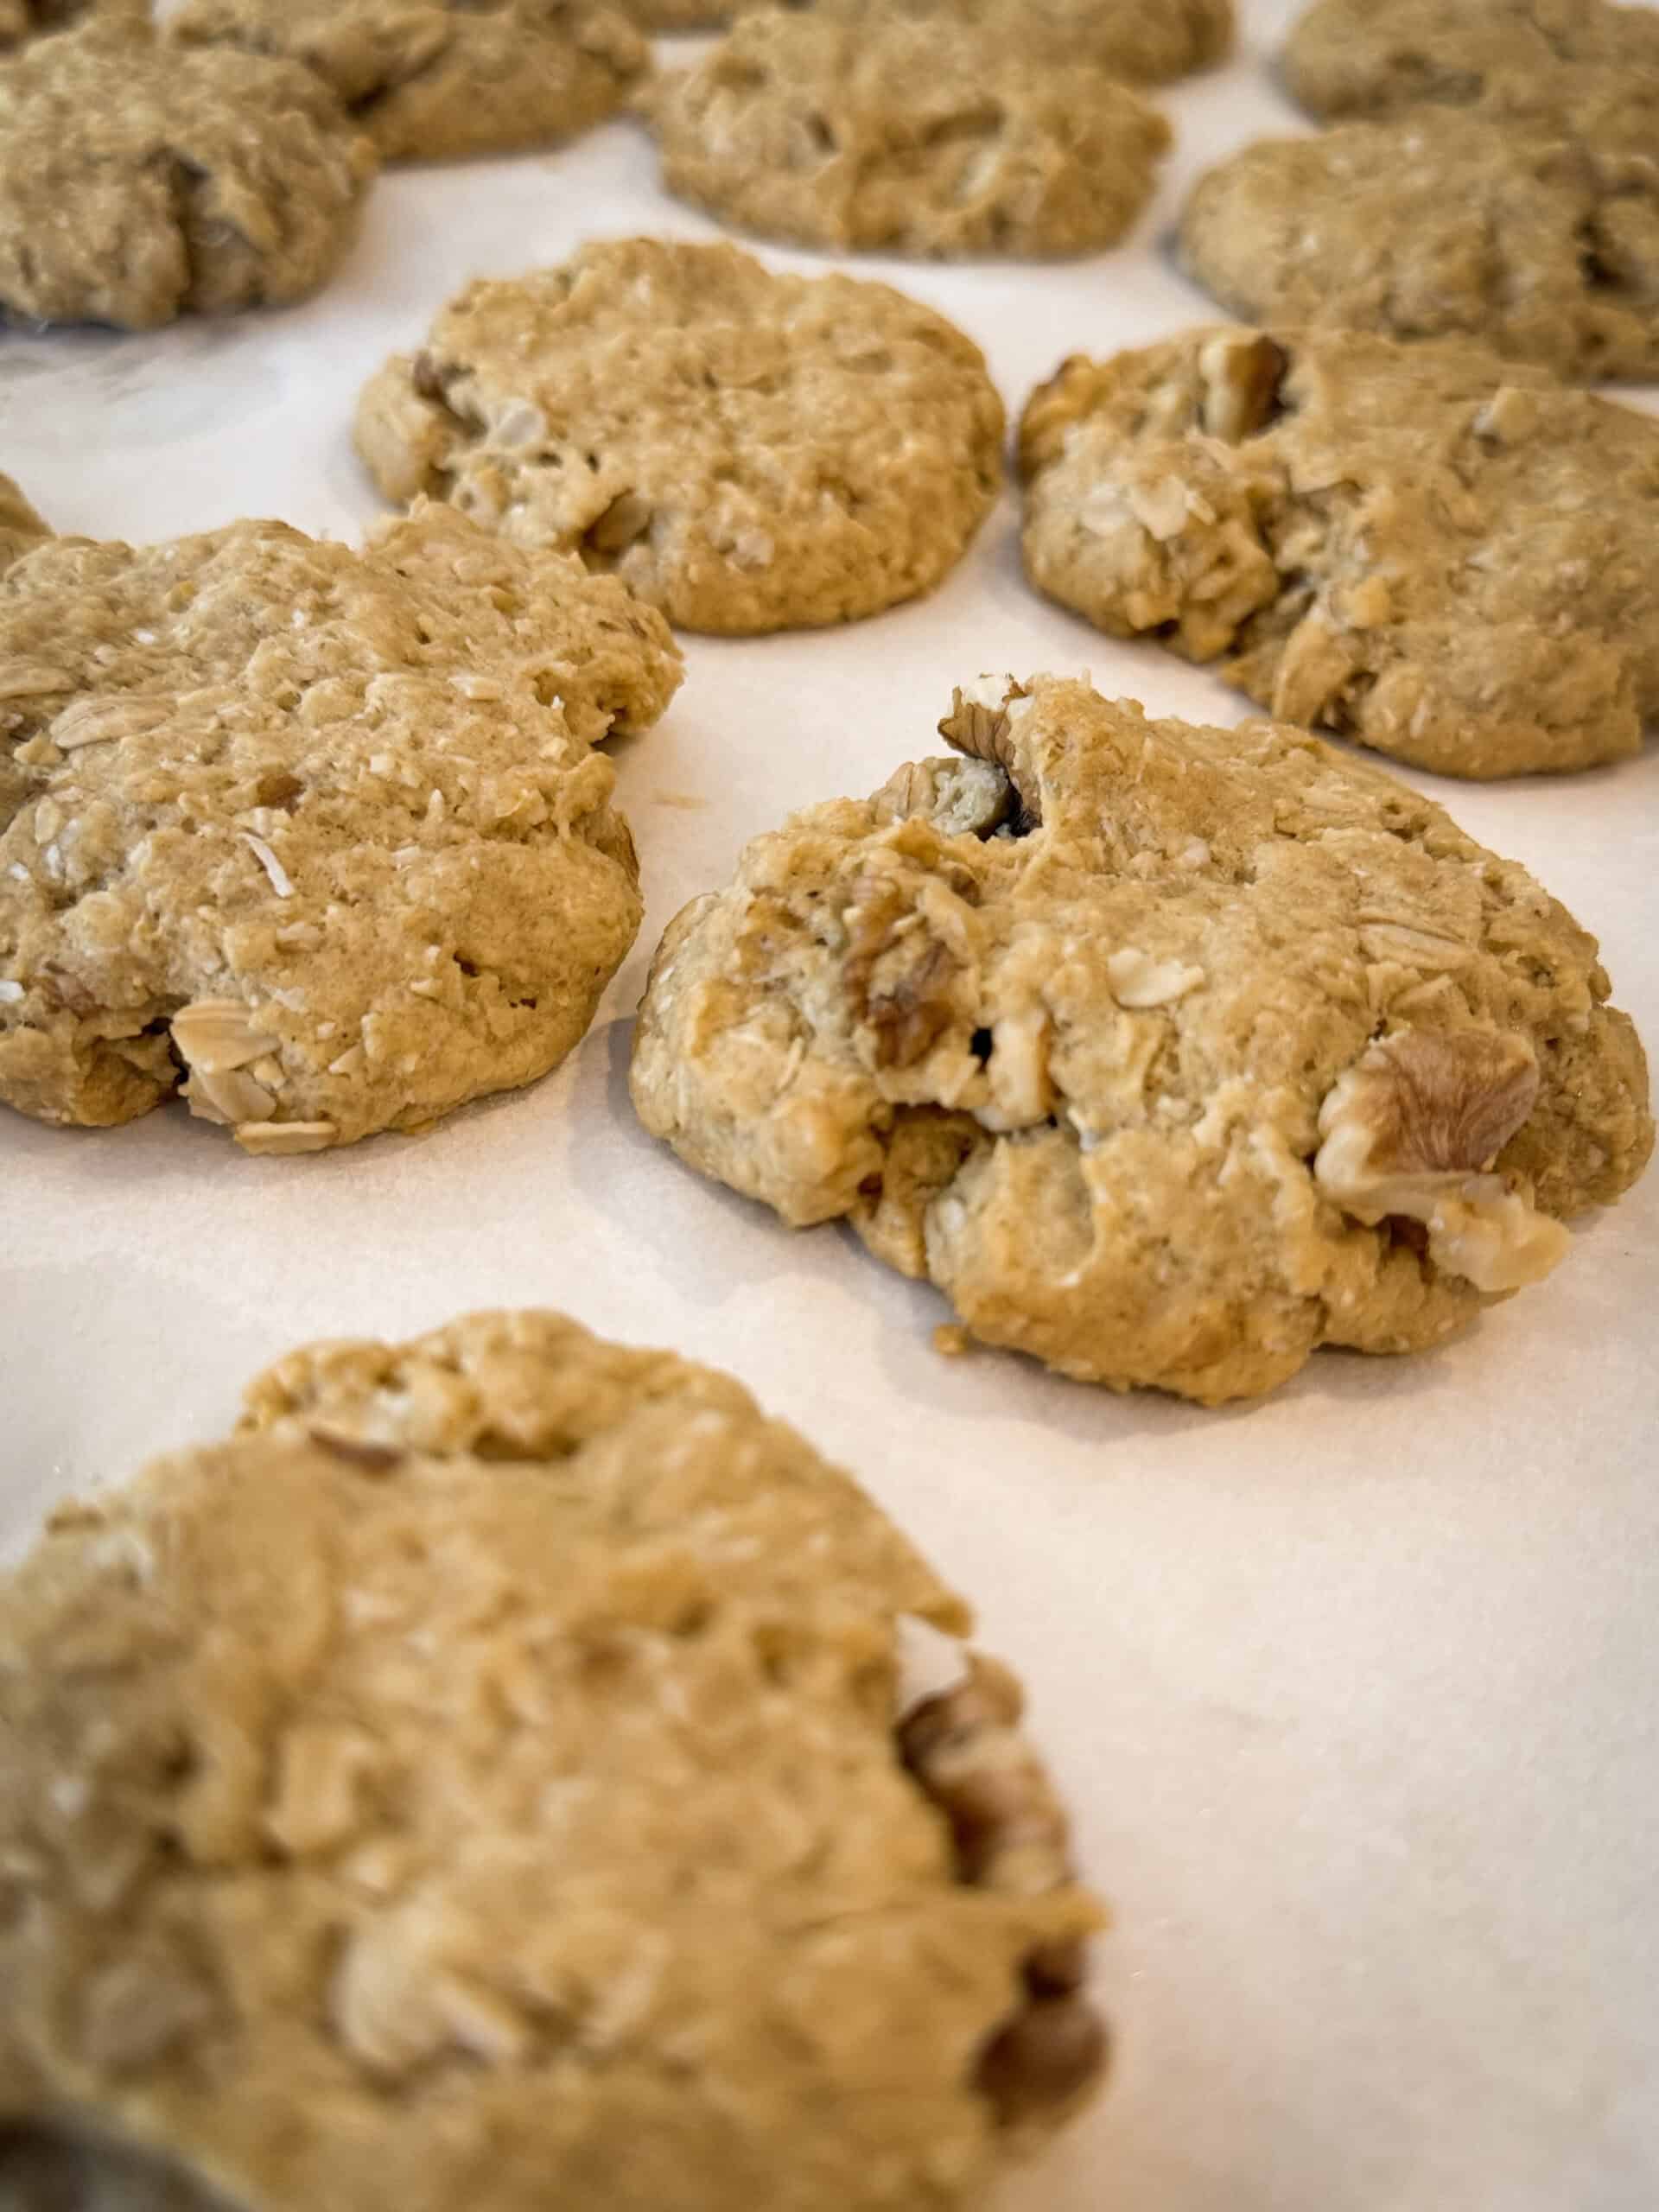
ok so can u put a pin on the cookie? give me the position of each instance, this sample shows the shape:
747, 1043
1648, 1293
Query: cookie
1356, 58
747, 451
139, 182
1168, 1054
1126, 38
484, 1781
434, 79
1442, 555
1540, 239
20, 526
318, 830
890, 135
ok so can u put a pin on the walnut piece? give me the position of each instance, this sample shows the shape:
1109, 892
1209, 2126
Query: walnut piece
1410, 1129
1241, 378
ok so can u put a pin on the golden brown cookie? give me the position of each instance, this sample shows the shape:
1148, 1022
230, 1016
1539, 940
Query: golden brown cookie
1358, 58
1169, 1054
139, 182
1443, 555
1539, 237
898, 135
316, 834
747, 451
434, 79
487, 1780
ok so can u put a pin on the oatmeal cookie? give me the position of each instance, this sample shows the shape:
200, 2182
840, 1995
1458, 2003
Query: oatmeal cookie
888, 134
435, 79
1540, 238
20, 526
318, 832
1358, 58
139, 182
1443, 555
747, 451
487, 1780
1168, 1054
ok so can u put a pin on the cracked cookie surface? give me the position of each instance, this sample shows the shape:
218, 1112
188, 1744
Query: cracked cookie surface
747, 451
483, 1780
139, 182
904, 136
320, 830
1538, 239
1354, 58
1443, 555
1168, 1053
435, 79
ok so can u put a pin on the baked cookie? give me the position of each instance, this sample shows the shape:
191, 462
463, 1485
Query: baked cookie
1169, 1054
1541, 240
20, 526
27, 19
1442, 555
486, 1781
1124, 37
434, 79
1358, 58
888, 134
747, 451
318, 830
139, 182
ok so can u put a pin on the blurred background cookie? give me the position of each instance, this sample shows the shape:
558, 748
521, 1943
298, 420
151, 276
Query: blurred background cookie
139, 182
886, 133
432, 80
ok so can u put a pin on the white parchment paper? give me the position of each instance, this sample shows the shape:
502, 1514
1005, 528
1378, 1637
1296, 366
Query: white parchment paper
1353, 1692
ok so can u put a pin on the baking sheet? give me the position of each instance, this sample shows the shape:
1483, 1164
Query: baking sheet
1352, 1691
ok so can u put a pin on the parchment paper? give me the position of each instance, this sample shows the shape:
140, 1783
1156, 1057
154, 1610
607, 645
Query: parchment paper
1353, 1692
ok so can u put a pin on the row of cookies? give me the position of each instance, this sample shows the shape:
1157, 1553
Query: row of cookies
1491, 174
219, 162
324, 836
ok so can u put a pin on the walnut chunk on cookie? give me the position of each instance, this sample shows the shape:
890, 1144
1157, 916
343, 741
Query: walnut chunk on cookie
314, 837
747, 451
505, 1740
1182, 1053
439, 79
1443, 555
896, 133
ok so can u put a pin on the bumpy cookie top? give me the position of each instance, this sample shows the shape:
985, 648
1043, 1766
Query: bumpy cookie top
906, 135
20, 526
478, 1782
1443, 555
431, 78
1168, 1053
747, 451
320, 829
1540, 238
138, 182
1354, 57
